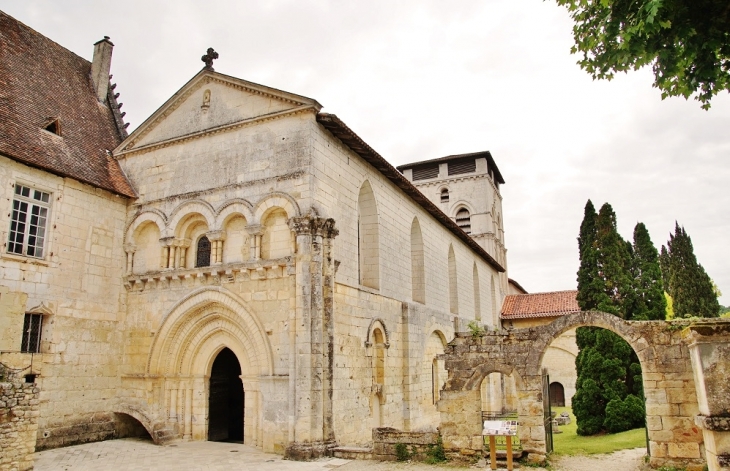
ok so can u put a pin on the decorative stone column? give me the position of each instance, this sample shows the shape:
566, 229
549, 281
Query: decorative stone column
216, 239
256, 231
709, 345
166, 254
312, 431
129, 249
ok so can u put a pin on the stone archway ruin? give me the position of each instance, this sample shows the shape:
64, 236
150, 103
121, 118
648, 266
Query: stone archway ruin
682, 431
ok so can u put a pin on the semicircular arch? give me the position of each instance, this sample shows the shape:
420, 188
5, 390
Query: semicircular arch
192, 322
154, 216
201, 207
603, 320
232, 208
275, 200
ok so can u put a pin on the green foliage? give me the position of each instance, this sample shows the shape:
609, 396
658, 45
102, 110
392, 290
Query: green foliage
686, 42
686, 281
476, 329
436, 453
670, 306
401, 452
624, 414
648, 296
570, 443
622, 279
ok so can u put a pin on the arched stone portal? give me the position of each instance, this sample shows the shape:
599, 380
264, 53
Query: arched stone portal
671, 398
208, 325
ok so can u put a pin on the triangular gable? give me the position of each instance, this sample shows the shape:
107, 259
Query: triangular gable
212, 101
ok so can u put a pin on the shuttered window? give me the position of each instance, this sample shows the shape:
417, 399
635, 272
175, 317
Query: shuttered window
463, 220
457, 167
425, 172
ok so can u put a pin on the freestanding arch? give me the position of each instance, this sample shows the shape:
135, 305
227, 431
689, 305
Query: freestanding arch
671, 401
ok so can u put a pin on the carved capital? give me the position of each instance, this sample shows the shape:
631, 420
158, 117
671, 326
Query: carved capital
216, 235
130, 248
300, 225
182, 243
324, 227
167, 241
255, 229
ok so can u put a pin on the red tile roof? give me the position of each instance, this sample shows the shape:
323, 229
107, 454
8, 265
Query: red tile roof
530, 306
40, 81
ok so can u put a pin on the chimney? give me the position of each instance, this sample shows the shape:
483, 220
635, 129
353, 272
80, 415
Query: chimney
101, 66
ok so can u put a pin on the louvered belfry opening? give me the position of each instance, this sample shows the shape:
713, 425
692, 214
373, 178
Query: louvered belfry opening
425, 172
461, 166
463, 220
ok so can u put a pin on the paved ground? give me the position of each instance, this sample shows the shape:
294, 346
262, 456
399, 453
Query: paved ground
131, 454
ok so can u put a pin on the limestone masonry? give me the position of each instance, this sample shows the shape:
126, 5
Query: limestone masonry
244, 267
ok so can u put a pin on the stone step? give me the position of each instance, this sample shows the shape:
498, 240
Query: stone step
353, 453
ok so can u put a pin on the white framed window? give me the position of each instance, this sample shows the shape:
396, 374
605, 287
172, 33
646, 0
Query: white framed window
32, 326
28, 221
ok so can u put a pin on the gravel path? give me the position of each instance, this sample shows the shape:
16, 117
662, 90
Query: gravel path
625, 460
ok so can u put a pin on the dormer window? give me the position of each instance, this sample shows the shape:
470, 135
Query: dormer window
53, 125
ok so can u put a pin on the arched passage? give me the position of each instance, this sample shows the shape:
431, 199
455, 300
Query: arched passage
671, 400
225, 399
190, 340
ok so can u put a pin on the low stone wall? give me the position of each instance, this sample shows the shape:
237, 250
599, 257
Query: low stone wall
18, 424
385, 440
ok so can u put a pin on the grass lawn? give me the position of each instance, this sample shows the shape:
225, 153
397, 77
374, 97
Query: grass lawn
570, 443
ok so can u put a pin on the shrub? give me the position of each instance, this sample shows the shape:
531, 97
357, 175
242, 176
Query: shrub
401, 452
624, 415
436, 452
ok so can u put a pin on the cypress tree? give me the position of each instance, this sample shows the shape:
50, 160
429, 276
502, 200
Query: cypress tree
687, 282
608, 395
649, 300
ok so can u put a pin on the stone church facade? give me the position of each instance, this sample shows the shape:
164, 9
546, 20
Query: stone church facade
242, 266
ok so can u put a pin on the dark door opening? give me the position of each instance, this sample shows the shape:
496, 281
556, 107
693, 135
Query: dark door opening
226, 399
557, 395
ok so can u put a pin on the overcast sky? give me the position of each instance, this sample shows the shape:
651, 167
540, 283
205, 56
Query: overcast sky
424, 79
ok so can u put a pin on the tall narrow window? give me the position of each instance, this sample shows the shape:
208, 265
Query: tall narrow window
477, 295
463, 220
202, 256
445, 195
28, 221
493, 295
418, 273
368, 237
32, 325
453, 293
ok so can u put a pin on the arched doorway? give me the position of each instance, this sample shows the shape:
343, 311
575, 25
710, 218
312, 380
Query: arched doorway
557, 394
225, 399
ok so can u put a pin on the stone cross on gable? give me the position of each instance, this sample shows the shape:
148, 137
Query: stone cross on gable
209, 58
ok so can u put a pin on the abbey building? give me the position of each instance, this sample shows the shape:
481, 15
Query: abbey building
242, 266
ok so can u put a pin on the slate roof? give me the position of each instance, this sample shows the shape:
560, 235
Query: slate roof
348, 137
40, 81
537, 305
486, 154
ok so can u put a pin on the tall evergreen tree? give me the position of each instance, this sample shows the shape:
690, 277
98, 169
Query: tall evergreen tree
687, 282
649, 301
607, 393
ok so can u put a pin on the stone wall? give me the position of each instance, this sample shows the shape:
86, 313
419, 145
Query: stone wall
669, 386
19, 411
386, 439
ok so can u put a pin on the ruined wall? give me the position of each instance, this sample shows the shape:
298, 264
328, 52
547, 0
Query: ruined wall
669, 386
18, 421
